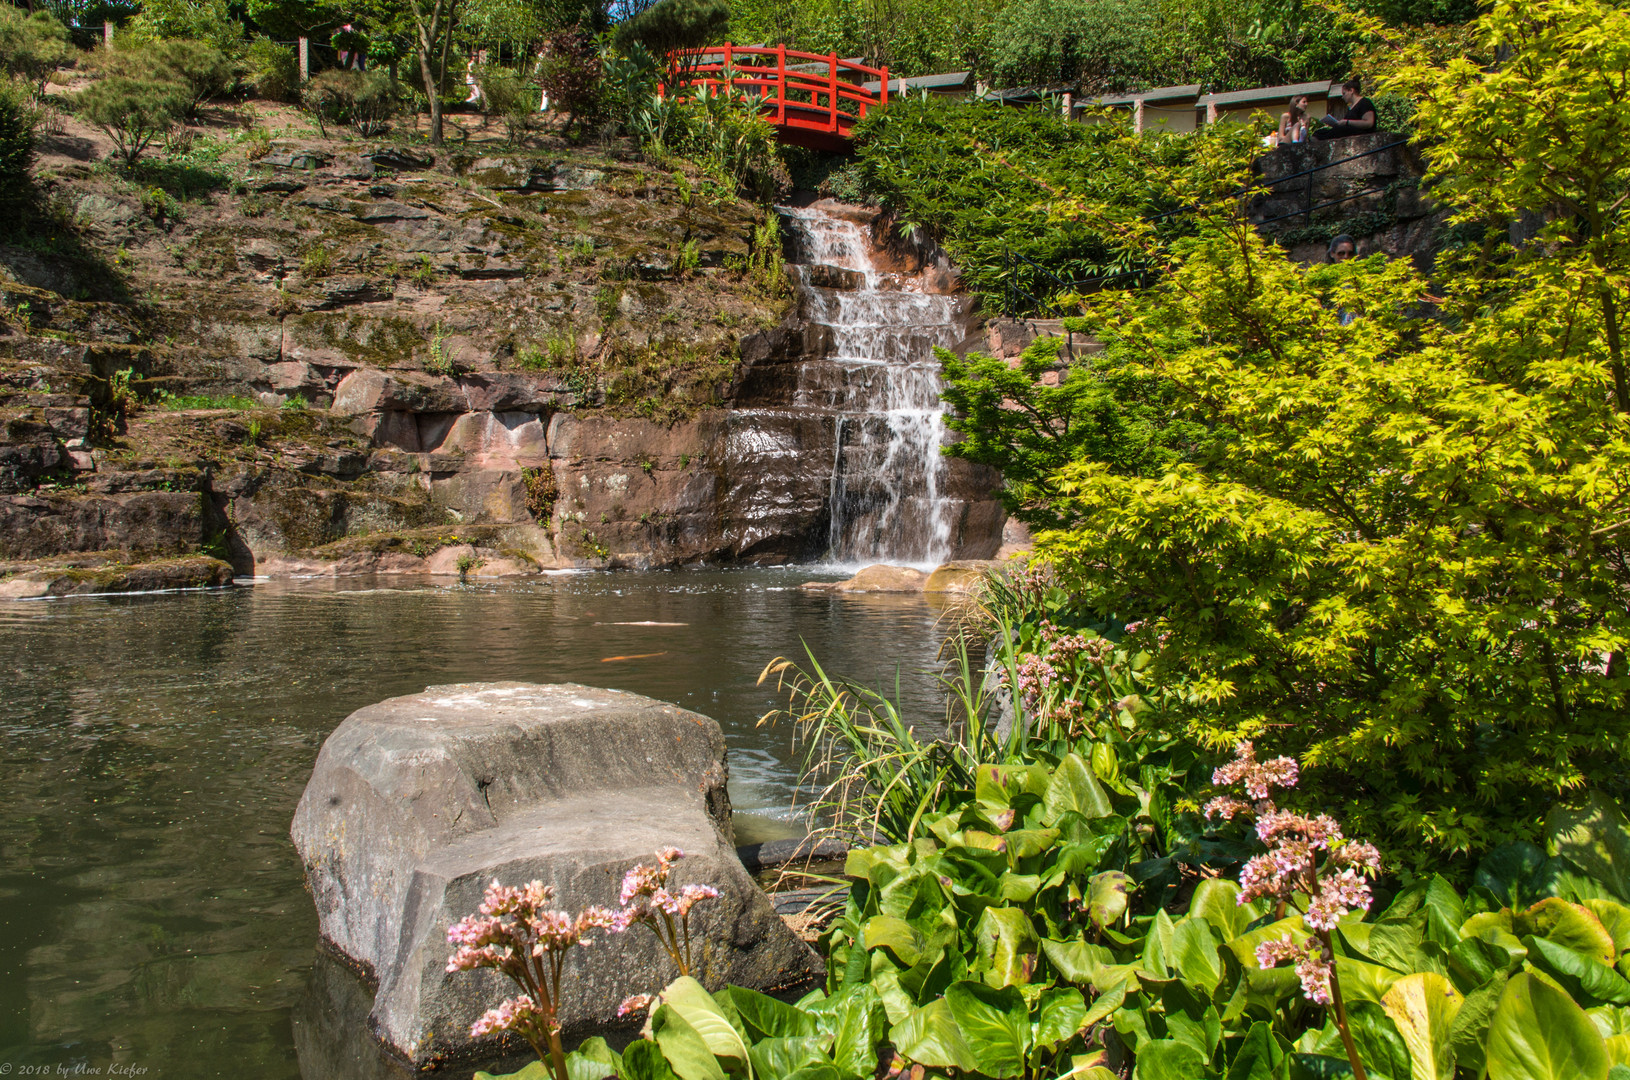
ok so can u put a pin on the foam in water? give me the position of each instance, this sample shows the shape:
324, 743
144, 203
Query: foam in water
882, 382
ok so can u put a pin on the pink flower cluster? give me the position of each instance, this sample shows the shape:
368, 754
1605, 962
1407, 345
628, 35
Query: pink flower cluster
1306, 856
647, 899
1259, 777
1313, 964
646, 895
515, 924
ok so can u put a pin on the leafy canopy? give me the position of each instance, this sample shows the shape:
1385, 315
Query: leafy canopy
1399, 550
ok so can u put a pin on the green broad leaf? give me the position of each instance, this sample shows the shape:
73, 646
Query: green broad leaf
643, 1060
1168, 1059
1595, 838
1618, 1050
1468, 1033
1578, 974
1539, 1033
817, 1072
1380, 1044
535, 1070
1007, 946
1262, 1055
1564, 923
995, 1023
897, 1003
863, 863
1619, 1071
1157, 946
1216, 900
1445, 911
765, 1017
1364, 982
1391, 943
1194, 955
785, 1056
1076, 961
1104, 1005
683, 1046
996, 786
1061, 1014
1244, 946
862, 1023
1105, 766
1423, 1007
1017, 888
1023, 843
1610, 1020
690, 1000
1106, 897
896, 935
931, 1037
1074, 787
1615, 919
1505, 873
1475, 961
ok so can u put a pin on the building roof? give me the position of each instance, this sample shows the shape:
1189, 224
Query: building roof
1262, 94
948, 80
1159, 93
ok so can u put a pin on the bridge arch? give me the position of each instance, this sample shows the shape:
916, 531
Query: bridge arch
812, 100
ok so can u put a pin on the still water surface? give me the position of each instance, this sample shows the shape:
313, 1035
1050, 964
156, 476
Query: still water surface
152, 914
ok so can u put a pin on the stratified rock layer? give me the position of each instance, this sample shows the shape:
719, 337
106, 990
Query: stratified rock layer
418, 802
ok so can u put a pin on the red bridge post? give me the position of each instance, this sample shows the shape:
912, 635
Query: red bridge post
781, 84
832, 94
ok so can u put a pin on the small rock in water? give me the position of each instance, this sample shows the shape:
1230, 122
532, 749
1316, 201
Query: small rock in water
874, 579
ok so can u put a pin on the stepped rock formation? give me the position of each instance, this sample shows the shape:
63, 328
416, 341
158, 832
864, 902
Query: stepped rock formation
545, 360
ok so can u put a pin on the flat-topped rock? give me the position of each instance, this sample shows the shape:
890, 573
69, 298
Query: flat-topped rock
959, 577
873, 579
417, 802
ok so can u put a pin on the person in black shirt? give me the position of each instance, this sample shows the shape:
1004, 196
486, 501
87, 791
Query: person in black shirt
1360, 118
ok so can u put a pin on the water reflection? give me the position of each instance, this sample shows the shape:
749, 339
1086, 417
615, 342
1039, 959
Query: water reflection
151, 908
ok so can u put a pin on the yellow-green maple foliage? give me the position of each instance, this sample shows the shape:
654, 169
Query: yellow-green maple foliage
1404, 558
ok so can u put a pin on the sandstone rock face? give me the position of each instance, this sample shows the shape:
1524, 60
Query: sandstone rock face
416, 803
958, 577
191, 572
875, 579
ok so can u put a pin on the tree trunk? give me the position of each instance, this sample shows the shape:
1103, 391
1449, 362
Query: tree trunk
430, 31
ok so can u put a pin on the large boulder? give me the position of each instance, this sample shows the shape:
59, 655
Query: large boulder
877, 578
417, 802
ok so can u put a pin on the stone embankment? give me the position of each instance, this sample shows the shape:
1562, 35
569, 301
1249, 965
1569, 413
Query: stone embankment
348, 360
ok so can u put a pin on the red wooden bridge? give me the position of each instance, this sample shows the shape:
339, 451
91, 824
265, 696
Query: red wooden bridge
812, 100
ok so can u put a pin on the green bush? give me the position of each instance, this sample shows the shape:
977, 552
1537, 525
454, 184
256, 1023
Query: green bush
273, 70
365, 100
207, 21
33, 46
569, 71
1104, 46
201, 69
506, 95
134, 112
18, 118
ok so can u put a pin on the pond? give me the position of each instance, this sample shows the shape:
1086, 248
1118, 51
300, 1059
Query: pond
152, 913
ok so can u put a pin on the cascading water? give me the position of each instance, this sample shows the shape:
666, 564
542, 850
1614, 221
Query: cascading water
881, 383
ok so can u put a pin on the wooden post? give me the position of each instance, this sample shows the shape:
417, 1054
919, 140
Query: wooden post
1137, 116
725, 74
832, 91
1211, 112
107, 34
885, 98
781, 84
305, 59
1069, 106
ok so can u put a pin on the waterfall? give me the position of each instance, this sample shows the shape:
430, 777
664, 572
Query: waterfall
880, 383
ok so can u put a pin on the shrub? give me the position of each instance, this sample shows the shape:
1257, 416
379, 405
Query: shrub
207, 21
569, 71
18, 118
133, 112
506, 95
364, 99
33, 46
273, 70
203, 71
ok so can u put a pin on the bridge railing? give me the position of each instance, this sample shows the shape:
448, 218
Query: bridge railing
797, 89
